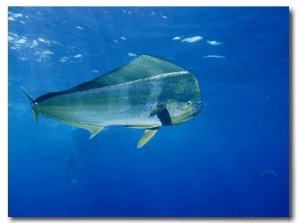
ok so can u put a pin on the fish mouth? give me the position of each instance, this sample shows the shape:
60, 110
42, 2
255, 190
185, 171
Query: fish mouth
190, 114
180, 119
194, 109
197, 107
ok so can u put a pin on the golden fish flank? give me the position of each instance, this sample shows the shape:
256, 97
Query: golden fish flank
146, 93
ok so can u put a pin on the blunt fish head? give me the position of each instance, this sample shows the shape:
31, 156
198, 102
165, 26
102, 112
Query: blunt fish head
183, 111
186, 102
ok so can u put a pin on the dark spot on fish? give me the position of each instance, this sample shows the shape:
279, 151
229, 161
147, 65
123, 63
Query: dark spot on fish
164, 117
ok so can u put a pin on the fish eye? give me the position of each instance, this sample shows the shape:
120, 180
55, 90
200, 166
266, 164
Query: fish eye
189, 103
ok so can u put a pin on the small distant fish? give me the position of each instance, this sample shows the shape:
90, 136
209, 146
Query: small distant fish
269, 173
146, 93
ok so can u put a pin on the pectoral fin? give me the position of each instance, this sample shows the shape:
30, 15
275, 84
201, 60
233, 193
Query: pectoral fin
157, 110
148, 134
163, 114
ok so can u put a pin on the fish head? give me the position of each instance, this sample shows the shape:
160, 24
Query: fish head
181, 111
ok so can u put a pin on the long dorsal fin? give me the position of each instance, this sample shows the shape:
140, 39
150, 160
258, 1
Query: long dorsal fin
142, 67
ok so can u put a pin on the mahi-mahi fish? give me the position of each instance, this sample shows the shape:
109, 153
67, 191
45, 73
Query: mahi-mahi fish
146, 93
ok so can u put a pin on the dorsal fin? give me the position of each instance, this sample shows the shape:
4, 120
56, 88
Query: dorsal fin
142, 67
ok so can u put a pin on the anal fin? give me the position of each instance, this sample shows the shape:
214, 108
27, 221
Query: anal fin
93, 129
148, 134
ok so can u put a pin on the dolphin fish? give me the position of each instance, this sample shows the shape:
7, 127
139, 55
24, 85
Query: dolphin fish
146, 93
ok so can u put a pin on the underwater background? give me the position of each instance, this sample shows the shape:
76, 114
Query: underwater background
230, 160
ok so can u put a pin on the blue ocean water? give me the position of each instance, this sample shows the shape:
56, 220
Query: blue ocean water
231, 160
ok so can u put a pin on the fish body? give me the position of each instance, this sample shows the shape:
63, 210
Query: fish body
146, 93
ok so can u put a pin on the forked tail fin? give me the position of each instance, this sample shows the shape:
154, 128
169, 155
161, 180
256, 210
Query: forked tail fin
31, 99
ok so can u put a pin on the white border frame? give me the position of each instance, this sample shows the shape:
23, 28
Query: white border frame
294, 90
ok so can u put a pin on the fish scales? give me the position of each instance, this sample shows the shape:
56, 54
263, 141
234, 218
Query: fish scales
131, 103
